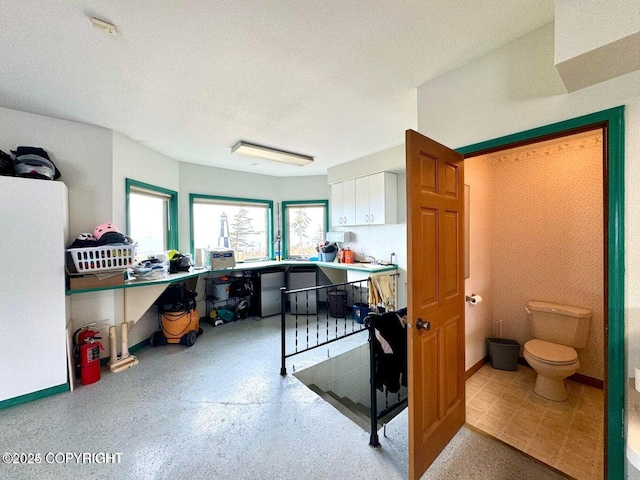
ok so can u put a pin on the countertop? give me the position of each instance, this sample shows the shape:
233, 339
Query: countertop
176, 277
367, 267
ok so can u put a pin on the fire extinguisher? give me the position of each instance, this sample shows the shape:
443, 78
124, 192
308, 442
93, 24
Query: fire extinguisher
90, 361
87, 354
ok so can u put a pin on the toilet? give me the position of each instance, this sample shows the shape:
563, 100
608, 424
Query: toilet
557, 331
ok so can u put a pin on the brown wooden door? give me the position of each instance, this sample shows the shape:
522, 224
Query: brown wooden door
435, 291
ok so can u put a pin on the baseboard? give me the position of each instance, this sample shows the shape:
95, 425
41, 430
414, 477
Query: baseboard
469, 373
586, 380
133, 349
576, 377
29, 397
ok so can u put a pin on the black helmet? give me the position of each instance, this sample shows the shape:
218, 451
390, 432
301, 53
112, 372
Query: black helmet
34, 162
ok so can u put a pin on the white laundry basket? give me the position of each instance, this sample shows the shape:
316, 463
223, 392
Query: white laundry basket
102, 259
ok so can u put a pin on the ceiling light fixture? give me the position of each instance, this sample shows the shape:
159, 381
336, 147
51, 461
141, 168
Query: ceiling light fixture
104, 26
244, 148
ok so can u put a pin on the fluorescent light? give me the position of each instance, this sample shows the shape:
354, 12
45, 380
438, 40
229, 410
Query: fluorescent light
267, 153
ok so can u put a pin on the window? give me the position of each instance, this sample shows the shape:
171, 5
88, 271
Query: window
305, 225
152, 217
238, 223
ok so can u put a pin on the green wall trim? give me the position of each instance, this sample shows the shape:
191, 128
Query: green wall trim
30, 397
612, 121
172, 233
283, 222
268, 203
133, 349
138, 346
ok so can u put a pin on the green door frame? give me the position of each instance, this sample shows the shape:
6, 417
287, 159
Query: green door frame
612, 123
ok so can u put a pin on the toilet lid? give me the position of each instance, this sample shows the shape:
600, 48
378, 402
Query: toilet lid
551, 352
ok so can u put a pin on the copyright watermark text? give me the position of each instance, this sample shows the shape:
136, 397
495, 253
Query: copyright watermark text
57, 458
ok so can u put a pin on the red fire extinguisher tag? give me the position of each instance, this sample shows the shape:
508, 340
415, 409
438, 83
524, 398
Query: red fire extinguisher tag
93, 354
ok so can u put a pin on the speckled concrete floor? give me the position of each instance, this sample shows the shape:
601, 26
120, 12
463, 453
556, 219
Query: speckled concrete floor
221, 410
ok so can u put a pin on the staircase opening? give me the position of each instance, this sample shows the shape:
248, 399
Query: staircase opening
343, 382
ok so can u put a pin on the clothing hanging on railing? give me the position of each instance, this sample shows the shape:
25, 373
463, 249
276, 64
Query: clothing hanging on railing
390, 349
381, 291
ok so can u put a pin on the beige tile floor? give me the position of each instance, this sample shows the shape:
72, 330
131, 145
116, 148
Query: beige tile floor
568, 436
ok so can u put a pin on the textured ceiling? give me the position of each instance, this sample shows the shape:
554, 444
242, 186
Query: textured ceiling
333, 79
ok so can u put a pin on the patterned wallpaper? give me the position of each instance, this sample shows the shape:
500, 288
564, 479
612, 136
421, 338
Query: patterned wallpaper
547, 222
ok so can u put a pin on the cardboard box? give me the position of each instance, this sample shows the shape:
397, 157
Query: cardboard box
222, 258
101, 280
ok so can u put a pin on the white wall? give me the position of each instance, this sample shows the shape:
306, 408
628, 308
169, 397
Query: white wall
137, 162
303, 188
388, 160
585, 25
513, 89
479, 317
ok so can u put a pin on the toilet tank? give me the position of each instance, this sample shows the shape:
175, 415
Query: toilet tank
560, 324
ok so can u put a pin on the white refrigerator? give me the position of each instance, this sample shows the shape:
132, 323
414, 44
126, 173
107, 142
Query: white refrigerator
34, 226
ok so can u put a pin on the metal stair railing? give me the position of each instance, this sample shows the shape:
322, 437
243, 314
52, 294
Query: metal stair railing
390, 404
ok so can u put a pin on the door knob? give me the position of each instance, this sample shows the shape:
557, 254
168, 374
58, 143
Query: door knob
420, 324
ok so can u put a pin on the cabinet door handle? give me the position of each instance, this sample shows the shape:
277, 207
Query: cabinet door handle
366, 219
371, 219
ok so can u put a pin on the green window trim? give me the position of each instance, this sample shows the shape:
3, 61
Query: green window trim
194, 197
172, 221
283, 220
612, 123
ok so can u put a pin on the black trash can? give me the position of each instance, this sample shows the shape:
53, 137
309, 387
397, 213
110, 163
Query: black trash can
338, 303
503, 353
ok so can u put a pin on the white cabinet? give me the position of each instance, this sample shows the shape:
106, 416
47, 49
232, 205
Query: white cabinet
343, 203
33, 317
362, 201
374, 200
383, 198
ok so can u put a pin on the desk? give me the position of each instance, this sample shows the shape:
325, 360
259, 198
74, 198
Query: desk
138, 300
140, 294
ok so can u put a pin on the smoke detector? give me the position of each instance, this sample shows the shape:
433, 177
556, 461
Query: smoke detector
104, 26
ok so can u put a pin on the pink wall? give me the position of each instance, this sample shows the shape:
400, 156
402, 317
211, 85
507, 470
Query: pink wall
546, 220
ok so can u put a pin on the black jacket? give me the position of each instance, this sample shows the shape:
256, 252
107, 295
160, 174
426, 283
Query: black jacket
390, 349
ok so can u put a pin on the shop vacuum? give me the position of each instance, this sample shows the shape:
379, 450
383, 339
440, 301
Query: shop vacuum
179, 322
